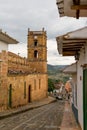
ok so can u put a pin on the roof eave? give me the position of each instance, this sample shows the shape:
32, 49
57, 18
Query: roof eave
71, 8
69, 47
7, 39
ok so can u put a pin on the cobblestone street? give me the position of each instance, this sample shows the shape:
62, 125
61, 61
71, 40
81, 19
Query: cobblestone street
43, 118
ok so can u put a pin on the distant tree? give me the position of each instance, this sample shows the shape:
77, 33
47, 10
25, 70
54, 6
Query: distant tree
65, 78
50, 85
57, 80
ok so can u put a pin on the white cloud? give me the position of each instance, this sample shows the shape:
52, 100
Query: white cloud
20, 48
54, 58
16, 16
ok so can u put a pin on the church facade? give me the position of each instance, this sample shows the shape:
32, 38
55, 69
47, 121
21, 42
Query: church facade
24, 80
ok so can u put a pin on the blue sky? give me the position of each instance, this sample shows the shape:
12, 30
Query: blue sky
16, 16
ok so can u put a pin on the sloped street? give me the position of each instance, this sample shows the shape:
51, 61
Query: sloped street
48, 117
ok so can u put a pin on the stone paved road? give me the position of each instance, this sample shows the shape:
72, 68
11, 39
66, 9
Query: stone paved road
47, 117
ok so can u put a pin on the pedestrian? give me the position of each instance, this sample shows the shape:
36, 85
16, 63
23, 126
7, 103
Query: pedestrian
67, 89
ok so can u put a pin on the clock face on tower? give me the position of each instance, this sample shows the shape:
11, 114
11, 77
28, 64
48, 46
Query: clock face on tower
35, 37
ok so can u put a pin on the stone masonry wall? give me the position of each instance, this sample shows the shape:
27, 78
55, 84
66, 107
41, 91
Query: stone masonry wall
17, 87
18, 64
38, 90
3, 79
38, 66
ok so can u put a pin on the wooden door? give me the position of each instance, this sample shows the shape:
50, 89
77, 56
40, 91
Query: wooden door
10, 96
29, 93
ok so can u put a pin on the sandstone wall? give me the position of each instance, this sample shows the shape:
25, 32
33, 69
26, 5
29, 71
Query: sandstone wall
3, 79
18, 64
38, 88
19, 83
38, 66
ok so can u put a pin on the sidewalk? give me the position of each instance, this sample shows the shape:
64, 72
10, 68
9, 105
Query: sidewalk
69, 122
30, 106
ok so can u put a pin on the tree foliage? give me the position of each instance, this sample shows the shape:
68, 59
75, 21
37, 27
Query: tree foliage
50, 85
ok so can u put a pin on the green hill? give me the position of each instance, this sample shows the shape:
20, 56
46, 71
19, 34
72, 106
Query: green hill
53, 69
55, 73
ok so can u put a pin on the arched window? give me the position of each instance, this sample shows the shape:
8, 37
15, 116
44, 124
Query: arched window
35, 54
35, 43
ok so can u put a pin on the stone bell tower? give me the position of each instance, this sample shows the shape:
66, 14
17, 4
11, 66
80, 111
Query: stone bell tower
37, 50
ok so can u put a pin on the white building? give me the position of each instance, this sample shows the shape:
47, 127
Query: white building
5, 40
72, 70
75, 44
72, 8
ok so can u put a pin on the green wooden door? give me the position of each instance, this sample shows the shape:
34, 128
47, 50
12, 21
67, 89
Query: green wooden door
10, 96
85, 98
29, 93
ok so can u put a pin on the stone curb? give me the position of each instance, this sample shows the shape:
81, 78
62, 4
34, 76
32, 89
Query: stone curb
25, 108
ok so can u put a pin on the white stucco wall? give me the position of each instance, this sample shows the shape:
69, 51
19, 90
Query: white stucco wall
82, 60
78, 34
3, 46
74, 90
